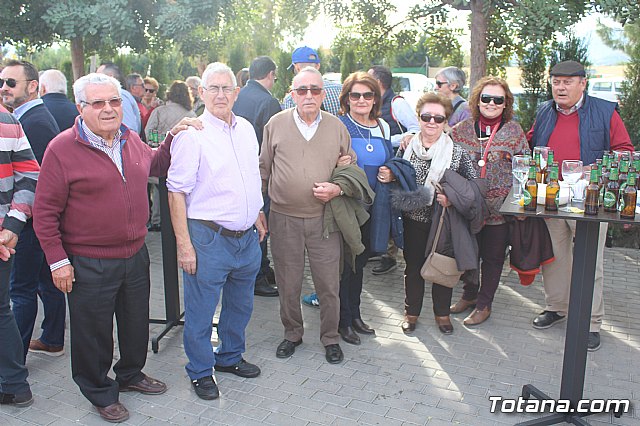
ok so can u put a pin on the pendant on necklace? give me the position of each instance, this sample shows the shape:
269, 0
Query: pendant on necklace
369, 147
481, 163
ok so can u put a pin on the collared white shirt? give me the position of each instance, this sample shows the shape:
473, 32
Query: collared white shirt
572, 109
22, 109
307, 130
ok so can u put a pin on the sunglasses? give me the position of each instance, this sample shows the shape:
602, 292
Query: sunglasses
99, 104
150, 90
438, 119
440, 83
302, 91
355, 96
11, 82
486, 99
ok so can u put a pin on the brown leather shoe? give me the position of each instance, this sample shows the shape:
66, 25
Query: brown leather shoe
444, 324
114, 413
409, 323
477, 317
146, 386
462, 305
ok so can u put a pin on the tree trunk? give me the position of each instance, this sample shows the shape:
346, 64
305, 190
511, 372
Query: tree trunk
478, 42
77, 57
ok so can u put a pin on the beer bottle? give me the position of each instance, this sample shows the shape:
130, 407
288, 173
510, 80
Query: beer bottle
548, 168
593, 194
628, 200
553, 188
624, 170
636, 164
538, 160
612, 192
531, 189
599, 168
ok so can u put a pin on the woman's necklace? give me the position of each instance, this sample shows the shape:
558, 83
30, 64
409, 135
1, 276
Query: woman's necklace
368, 146
482, 140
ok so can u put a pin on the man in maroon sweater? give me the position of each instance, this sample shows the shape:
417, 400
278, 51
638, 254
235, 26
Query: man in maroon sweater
577, 127
90, 215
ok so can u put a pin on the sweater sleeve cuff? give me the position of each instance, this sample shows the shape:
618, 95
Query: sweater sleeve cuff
59, 264
12, 224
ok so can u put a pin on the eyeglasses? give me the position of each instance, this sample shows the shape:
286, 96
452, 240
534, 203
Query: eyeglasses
440, 83
302, 91
150, 90
227, 90
100, 103
438, 119
486, 99
355, 96
11, 82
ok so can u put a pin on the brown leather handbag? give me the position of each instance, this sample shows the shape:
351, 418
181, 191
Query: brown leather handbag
438, 268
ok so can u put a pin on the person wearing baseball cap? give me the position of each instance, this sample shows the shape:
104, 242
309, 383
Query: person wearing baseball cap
577, 127
307, 57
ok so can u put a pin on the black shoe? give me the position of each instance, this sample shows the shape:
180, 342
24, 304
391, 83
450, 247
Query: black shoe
19, 400
263, 288
593, 344
547, 319
286, 348
333, 354
386, 264
242, 368
270, 274
205, 388
361, 327
155, 228
349, 336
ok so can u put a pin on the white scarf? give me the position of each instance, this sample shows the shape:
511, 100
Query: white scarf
440, 154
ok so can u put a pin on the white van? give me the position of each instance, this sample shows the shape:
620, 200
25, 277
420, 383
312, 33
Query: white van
608, 88
413, 85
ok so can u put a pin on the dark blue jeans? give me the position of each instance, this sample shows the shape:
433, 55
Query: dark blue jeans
30, 278
13, 373
226, 270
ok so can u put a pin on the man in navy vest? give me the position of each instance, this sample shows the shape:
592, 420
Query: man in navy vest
577, 127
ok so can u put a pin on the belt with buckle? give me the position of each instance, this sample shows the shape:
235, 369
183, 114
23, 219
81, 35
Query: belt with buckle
223, 231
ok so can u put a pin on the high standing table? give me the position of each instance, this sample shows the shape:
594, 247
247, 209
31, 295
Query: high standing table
578, 322
173, 316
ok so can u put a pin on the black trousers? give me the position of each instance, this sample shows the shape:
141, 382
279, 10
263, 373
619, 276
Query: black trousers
351, 281
105, 287
415, 245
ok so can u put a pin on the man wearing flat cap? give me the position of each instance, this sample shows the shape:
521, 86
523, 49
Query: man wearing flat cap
577, 127
304, 57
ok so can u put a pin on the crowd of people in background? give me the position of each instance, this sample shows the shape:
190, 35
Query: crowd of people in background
342, 173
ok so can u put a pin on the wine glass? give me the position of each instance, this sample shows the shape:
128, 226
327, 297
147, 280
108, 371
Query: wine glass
571, 174
520, 170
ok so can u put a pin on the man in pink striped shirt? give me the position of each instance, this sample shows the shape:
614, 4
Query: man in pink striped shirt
215, 200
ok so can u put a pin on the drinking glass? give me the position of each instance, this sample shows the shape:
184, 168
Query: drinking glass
571, 174
520, 170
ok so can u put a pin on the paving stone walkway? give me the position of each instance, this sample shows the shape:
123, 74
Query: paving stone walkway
390, 379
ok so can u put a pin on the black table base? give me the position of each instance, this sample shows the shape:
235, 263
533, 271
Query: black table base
577, 334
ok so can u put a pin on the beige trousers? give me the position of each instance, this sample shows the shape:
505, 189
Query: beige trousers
290, 236
557, 274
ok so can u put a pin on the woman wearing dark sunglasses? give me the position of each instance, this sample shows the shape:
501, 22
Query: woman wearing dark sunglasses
430, 152
491, 137
360, 102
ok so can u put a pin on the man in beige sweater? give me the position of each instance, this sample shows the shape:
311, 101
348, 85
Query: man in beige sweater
300, 149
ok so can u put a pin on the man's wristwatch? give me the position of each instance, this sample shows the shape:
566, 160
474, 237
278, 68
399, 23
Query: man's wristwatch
341, 192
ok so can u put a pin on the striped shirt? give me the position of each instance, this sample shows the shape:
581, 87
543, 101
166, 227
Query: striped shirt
18, 174
114, 151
